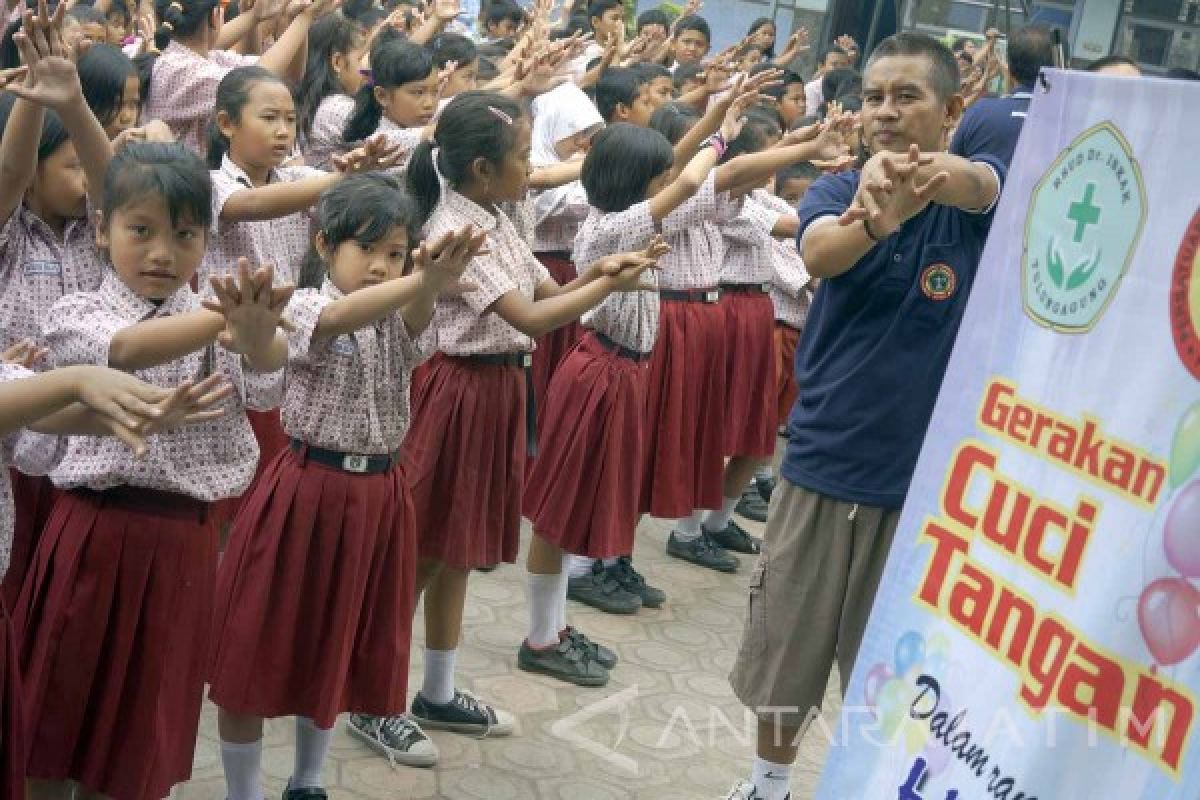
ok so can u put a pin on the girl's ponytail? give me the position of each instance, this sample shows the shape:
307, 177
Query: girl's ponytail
180, 18
366, 115
423, 183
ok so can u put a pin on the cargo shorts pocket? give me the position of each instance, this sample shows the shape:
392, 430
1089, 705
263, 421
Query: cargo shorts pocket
755, 635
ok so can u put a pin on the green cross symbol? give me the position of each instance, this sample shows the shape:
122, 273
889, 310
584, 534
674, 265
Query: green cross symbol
1084, 213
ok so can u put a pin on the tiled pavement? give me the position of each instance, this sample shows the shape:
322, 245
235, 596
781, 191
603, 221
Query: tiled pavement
671, 728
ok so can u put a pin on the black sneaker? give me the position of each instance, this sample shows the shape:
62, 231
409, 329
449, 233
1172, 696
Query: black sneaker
632, 581
751, 505
597, 652
766, 487
702, 551
734, 537
305, 793
398, 738
599, 590
569, 661
464, 714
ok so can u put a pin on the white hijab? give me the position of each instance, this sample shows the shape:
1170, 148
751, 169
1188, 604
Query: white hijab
557, 115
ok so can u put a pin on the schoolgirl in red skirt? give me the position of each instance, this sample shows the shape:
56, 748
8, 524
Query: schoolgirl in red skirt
42, 401
564, 120
316, 587
115, 616
465, 451
585, 486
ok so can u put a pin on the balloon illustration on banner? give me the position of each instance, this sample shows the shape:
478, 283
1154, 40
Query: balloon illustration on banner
1185, 449
1169, 607
889, 691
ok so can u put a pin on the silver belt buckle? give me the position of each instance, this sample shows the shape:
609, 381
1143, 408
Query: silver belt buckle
712, 296
355, 463
526, 360
766, 288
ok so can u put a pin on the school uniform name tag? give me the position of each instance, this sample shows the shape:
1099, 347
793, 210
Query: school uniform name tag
43, 267
344, 345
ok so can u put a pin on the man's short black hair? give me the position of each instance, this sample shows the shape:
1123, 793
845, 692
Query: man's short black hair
1030, 49
943, 68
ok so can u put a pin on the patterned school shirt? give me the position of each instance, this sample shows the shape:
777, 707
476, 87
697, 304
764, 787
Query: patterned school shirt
350, 392
628, 318
31, 453
464, 325
324, 140
557, 215
36, 269
748, 243
281, 242
694, 234
183, 90
208, 461
791, 285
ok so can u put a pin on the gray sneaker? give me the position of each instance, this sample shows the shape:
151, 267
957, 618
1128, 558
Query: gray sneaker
398, 738
599, 590
734, 537
633, 582
745, 790
597, 652
752, 505
568, 661
702, 551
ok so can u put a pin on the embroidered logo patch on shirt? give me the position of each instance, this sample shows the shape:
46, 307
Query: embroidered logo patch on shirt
938, 281
344, 345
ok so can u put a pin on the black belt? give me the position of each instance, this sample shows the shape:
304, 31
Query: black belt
154, 501
524, 361
746, 288
620, 349
690, 295
346, 462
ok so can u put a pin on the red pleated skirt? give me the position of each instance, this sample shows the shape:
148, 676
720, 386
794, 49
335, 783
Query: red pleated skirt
465, 459
749, 374
268, 432
786, 339
33, 498
554, 346
582, 493
114, 622
315, 595
685, 412
12, 718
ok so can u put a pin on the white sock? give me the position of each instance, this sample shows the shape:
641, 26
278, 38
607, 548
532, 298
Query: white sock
766, 473
719, 520
547, 596
610, 562
242, 764
688, 528
312, 743
577, 566
771, 781
438, 686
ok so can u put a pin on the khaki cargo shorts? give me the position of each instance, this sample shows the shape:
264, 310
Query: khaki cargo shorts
810, 596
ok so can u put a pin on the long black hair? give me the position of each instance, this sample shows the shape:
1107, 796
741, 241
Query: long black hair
762, 22
103, 71
332, 33
180, 18
473, 125
54, 133
673, 120
233, 92
621, 163
394, 62
364, 208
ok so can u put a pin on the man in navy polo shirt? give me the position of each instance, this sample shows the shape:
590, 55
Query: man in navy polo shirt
993, 124
896, 245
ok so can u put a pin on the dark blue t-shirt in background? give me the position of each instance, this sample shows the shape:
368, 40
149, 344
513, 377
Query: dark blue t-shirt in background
871, 360
992, 126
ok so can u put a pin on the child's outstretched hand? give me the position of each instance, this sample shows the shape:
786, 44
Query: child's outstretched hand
24, 354
51, 78
442, 262
190, 403
125, 405
374, 154
252, 307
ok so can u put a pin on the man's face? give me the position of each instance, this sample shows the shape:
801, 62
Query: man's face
902, 108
